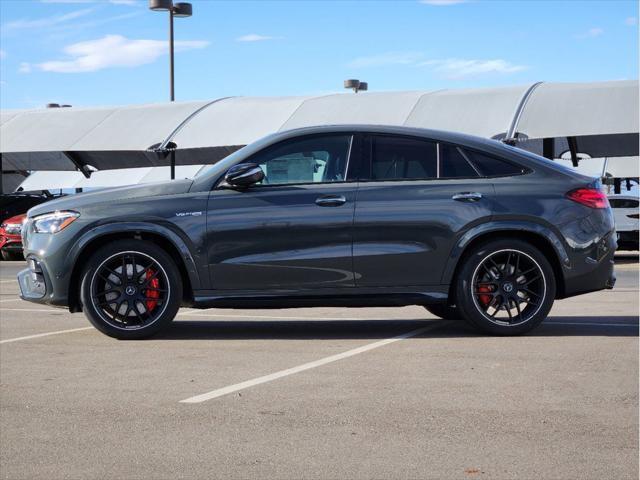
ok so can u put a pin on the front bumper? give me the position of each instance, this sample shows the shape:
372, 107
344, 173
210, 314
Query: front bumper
33, 282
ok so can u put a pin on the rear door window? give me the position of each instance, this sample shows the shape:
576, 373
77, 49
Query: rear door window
454, 164
401, 158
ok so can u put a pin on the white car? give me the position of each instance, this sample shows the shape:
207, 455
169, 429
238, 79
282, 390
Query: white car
625, 212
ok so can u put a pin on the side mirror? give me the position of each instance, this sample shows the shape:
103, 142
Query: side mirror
243, 175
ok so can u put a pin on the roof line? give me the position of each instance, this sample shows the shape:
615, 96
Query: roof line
519, 109
176, 130
300, 106
418, 101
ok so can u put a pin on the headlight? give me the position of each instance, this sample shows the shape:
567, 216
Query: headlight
12, 228
53, 222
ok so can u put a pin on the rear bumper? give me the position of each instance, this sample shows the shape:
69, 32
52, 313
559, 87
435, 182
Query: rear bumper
593, 270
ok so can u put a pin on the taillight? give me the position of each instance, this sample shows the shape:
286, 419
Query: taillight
589, 197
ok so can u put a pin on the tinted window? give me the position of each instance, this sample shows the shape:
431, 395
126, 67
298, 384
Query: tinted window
623, 203
453, 164
492, 167
317, 159
397, 158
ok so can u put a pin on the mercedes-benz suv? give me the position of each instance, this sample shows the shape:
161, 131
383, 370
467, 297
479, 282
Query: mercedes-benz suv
330, 216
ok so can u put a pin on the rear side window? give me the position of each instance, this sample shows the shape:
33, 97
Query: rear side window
400, 158
453, 164
491, 166
623, 203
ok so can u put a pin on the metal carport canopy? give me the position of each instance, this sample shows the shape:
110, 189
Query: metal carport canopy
580, 109
120, 137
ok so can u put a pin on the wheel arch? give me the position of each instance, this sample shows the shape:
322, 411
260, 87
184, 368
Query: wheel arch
541, 237
166, 239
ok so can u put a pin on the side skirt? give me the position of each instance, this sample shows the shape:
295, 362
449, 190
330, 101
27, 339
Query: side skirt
353, 297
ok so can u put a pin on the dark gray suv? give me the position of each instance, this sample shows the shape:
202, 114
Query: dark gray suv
330, 216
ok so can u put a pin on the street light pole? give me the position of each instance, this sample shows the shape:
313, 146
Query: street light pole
181, 9
171, 70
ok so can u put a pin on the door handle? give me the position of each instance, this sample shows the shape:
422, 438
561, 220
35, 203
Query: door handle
467, 196
331, 201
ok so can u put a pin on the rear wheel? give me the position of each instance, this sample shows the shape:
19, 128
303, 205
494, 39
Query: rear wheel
505, 287
131, 289
446, 312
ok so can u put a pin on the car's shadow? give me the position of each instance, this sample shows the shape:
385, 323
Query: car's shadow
626, 258
611, 326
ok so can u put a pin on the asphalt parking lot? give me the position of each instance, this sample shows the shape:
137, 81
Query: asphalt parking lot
322, 393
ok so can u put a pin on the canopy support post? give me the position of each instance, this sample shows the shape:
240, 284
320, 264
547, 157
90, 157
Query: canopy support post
72, 156
548, 148
573, 149
173, 164
1, 182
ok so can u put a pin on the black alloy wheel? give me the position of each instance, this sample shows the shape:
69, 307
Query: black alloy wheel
505, 287
131, 289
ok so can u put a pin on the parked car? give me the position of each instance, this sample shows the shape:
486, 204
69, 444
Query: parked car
625, 214
12, 204
10, 237
331, 216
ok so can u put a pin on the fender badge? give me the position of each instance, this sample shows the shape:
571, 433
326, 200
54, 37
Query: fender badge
188, 214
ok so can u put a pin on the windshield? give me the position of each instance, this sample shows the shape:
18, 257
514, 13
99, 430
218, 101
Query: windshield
223, 165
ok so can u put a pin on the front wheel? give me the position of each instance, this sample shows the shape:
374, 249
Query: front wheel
505, 287
131, 289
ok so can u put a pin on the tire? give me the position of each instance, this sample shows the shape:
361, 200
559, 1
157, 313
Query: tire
444, 311
11, 256
495, 274
135, 304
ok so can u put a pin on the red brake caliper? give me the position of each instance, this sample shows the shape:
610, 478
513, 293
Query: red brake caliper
484, 299
151, 290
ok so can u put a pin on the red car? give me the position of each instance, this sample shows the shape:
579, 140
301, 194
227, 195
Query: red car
10, 237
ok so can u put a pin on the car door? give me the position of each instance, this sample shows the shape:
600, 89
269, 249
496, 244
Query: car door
292, 231
416, 199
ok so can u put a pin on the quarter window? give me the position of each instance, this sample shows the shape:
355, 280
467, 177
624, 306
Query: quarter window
318, 159
399, 158
491, 166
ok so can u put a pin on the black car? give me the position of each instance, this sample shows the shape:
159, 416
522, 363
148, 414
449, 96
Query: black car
331, 216
12, 204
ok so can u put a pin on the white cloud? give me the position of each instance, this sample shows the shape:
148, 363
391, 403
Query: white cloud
442, 3
114, 51
631, 21
25, 67
254, 37
48, 21
591, 33
454, 68
386, 59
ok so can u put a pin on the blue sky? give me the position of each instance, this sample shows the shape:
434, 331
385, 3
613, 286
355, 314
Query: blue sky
113, 52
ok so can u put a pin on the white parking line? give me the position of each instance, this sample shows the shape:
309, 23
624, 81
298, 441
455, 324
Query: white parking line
47, 310
11, 300
47, 334
9, 281
306, 366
